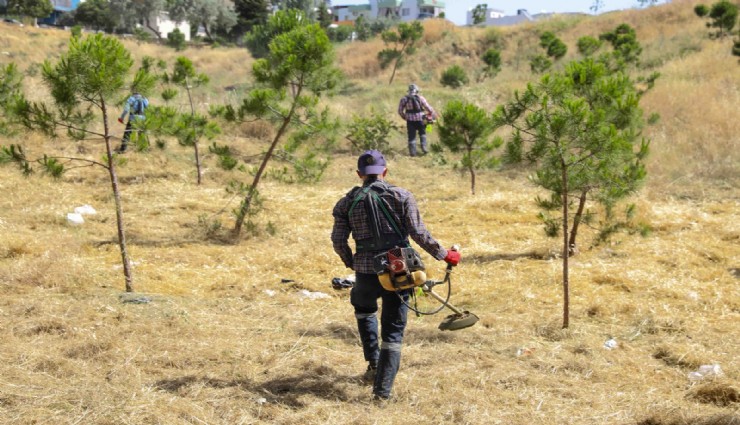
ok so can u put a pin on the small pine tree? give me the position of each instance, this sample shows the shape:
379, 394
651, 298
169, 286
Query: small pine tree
466, 128
298, 69
581, 128
190, 127
399, 42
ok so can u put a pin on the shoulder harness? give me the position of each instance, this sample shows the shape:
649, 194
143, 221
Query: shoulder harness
374, 206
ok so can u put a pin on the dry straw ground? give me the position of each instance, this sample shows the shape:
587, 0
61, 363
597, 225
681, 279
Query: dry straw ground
224, 341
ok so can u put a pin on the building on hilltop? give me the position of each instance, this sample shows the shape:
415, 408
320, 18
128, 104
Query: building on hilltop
496, 18
347, 14
491, 14
164, 25
348, 11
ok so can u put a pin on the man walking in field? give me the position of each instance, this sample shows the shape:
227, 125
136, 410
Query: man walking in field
415, 109
379, 216
135, 107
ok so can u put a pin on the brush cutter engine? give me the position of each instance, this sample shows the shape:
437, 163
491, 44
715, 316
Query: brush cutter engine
399, 269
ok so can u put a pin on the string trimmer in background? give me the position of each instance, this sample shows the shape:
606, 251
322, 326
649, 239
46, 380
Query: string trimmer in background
405, 271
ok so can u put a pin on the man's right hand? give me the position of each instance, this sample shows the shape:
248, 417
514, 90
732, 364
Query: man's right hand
120, 120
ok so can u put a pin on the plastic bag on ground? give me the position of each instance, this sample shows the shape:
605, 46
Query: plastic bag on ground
75, 219
85, 210
314, 295
706, 371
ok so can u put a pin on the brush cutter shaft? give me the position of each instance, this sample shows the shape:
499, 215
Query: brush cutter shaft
442, 300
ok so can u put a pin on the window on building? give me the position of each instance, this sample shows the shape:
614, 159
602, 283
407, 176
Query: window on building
405, 12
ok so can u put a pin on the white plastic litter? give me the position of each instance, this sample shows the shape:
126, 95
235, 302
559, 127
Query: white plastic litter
270, 292
706, 371
314, 295
611, 344
85, 210
75, 219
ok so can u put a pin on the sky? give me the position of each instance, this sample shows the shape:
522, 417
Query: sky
456, 10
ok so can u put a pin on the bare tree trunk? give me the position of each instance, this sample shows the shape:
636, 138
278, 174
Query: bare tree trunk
576, 221
247, 202
208, 33
195, 139
119, 208
472, 172
395, 66
152, 29
566, 289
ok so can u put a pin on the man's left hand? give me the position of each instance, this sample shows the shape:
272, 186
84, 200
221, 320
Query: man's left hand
453, 257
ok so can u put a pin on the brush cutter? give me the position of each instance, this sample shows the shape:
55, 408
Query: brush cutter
424, 300
460, 320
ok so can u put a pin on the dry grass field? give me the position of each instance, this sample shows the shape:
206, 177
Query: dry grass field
236, 334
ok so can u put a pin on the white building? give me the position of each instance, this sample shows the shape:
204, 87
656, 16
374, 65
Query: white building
496, 18
404, 10
491, 14
350, 13
165, 25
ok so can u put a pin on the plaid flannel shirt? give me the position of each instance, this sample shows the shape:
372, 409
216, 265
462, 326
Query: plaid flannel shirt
402, 207
405, 104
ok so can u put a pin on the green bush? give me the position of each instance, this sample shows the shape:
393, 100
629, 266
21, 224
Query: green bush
494, 38
454, 77
373, 132
339, 34
588, 45
701, 10
540, 64
176, 40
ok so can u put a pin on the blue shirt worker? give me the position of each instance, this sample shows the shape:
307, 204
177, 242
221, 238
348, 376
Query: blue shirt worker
415, 109
135, 108
374, 232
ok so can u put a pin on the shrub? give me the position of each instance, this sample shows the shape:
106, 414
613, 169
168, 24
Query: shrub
339, 34
540, 64
494, 38
176, 40
454, 77
371, 132
588, 45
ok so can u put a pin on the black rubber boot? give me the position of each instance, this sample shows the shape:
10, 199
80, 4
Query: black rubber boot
372, 370
423, 139
412, 148
388, 366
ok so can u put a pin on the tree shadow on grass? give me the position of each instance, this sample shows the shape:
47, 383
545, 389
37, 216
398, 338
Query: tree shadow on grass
342, 332
322, 382
318, 380
488, 258
177, 384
